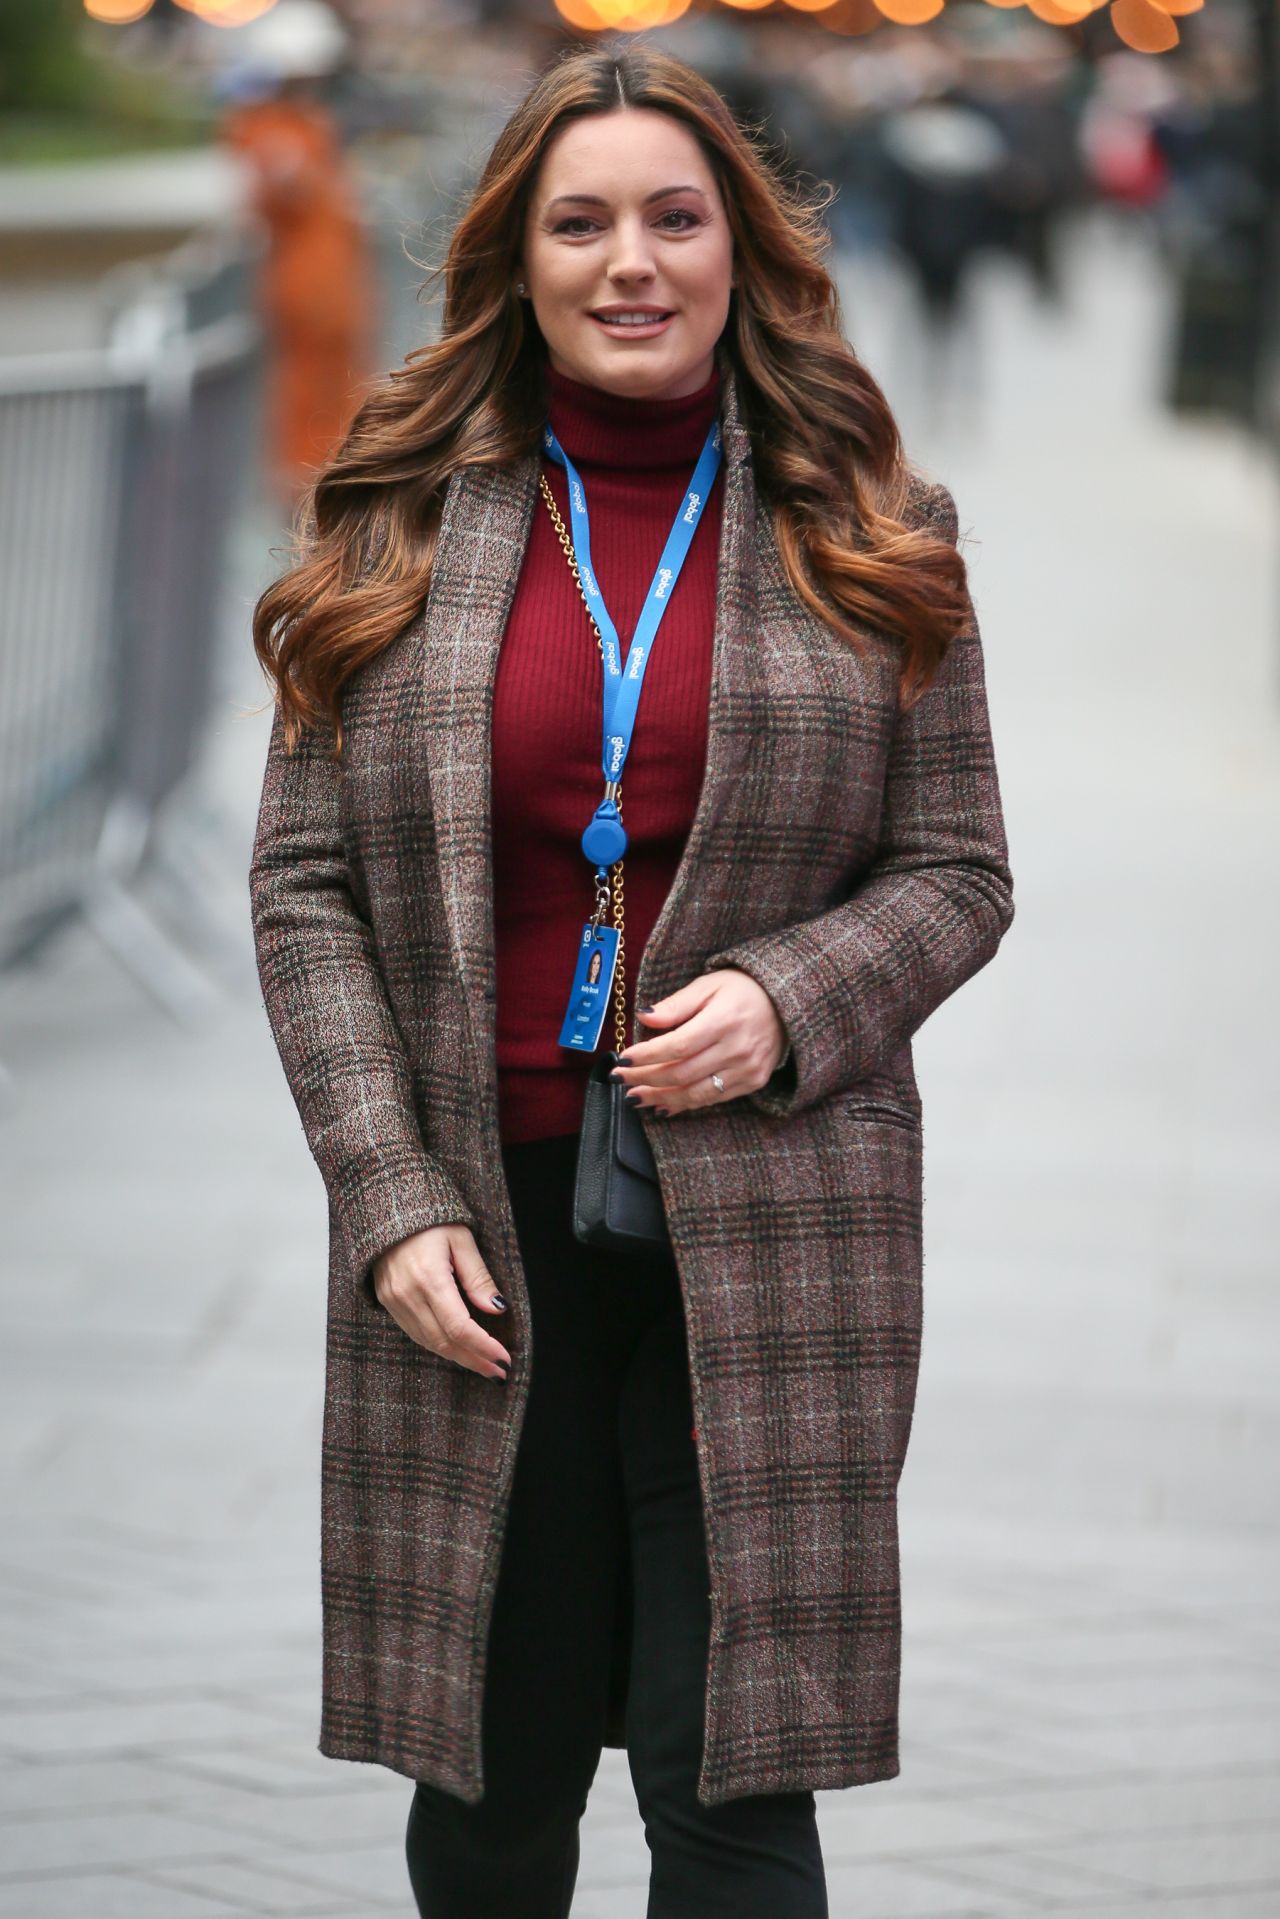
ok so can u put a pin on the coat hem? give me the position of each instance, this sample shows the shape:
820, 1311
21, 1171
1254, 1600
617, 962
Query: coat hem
833, 1778
836, 1778
470, 1792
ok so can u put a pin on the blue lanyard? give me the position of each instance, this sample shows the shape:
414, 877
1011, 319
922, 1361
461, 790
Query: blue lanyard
605, 840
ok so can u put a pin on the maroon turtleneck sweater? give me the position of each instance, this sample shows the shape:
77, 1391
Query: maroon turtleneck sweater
635, 458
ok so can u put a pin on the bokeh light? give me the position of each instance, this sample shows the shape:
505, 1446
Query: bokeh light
230, 13
117, 13
1143, 27
912, 13
620, 16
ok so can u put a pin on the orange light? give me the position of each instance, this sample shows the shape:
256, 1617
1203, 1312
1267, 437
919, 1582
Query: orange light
117, 13
633, 16
230, 13
1143, 27
912, 13
1063, 13
850, 19
580, 14
1178, 6
620, 16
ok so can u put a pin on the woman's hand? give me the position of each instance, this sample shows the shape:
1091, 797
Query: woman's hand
722, 1022
418, 1281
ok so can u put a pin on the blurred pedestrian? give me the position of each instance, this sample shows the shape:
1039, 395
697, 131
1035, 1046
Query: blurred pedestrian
623, 1343
945, 160
317, 291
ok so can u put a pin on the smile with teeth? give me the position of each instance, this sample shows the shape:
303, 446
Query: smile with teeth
633, 319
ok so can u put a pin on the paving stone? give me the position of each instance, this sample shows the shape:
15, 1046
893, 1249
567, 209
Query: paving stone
1148, 1865
1232, 1904
1239, 1853
375, 1873
1139, 1804
73, 1785
265, 1889
930, 1829
108, 1896
93, 1838
124, 1725
893, 1889
258, 1770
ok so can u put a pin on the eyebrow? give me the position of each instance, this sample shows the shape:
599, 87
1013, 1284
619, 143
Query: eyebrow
594, 199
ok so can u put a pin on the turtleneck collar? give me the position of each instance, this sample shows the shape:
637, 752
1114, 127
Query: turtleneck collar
599, 428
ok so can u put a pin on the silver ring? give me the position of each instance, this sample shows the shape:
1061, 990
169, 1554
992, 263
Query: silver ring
717, 1082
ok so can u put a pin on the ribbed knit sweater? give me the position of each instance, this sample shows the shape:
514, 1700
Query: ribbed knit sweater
635, 458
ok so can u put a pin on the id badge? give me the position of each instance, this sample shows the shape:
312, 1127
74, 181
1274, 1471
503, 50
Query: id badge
592, 985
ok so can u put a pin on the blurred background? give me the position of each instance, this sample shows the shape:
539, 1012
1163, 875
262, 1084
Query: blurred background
1055, 235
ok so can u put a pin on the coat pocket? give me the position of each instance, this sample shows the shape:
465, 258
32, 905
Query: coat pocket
877, 1106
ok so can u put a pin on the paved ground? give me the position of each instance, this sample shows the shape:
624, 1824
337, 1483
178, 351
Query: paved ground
1092, 1664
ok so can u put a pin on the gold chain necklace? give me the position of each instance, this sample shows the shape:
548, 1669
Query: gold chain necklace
602, 886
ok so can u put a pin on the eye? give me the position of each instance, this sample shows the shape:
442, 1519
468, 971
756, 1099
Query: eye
674, 213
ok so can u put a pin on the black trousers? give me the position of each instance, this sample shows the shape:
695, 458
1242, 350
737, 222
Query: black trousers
605, 1526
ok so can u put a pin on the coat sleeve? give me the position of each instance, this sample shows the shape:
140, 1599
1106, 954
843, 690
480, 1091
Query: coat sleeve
852, 984
326, 1001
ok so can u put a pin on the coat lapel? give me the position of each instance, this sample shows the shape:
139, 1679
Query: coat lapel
484, 531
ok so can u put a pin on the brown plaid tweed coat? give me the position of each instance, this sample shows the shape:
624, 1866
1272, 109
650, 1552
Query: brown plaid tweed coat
855, 863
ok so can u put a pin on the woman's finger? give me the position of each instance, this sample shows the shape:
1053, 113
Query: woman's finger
660, 1058
427, 1305
468, 1344
689, 1079
474, 1277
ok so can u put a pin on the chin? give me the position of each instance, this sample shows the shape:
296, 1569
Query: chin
639, 371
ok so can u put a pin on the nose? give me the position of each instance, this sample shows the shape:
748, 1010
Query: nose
631, 256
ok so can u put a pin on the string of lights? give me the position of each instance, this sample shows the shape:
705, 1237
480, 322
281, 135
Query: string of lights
1145, 26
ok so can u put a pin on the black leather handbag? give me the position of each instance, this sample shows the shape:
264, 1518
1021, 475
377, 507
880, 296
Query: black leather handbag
617, 1201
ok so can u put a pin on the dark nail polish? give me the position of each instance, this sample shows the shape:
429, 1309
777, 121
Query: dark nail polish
644, 1009
624, 1059
632, 1097
498, 1301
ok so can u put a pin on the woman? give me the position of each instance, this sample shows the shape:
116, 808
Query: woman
675, 1527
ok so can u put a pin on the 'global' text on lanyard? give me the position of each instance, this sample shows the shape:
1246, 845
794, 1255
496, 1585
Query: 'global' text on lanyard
604, 839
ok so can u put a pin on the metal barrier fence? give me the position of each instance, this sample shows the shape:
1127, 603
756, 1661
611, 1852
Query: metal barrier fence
65, 437
120, 472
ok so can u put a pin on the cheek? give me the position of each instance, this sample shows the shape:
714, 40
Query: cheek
560, 273
711, 273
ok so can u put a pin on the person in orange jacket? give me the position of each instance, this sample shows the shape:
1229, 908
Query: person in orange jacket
317, 290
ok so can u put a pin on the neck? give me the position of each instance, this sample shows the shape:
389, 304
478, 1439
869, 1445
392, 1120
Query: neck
599, 428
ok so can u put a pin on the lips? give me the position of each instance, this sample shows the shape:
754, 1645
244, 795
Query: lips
641, 327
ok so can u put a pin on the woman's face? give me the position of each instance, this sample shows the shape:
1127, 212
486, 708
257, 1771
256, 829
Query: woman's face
625, 213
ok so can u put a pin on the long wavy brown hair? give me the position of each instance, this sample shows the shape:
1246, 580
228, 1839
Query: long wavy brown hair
826, 451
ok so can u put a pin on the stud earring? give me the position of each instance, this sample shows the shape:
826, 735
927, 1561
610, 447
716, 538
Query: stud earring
521, 287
